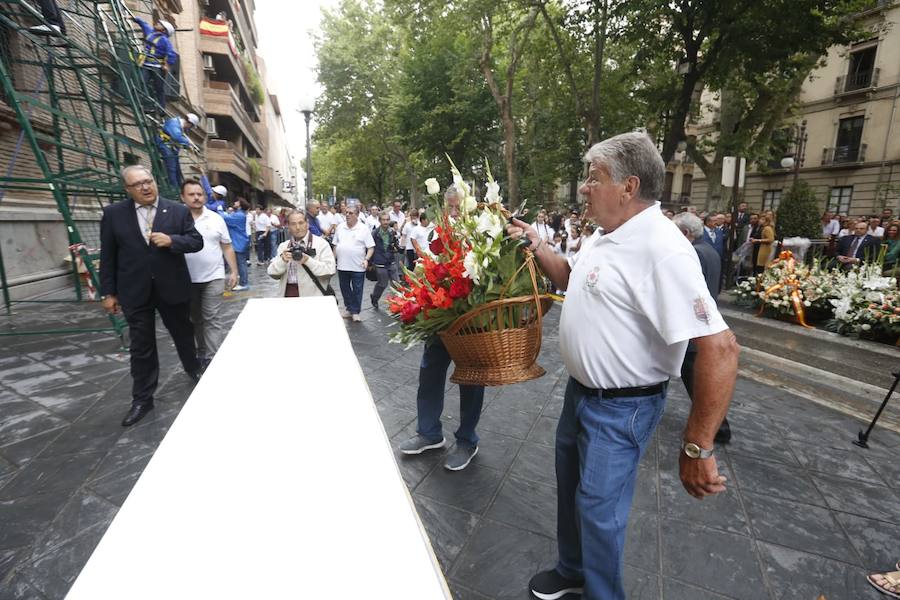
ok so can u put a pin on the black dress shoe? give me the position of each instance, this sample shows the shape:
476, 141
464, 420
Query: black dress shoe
137, 412
723, 436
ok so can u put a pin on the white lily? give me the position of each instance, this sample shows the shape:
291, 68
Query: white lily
489, 224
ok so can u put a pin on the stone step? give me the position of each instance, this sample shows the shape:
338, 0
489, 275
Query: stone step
857, 360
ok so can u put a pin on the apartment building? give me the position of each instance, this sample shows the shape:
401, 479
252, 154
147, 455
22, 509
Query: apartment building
848, 115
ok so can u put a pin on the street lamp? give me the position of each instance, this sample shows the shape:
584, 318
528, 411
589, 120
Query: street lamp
796, 161
307, 106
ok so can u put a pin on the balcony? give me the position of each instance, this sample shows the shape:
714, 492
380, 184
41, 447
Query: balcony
225, 157
219, 99
857, 83
844, 155
229, 67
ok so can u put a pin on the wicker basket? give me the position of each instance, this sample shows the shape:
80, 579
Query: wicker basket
498, 343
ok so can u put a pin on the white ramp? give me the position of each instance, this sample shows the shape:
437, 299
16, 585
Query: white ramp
276, 481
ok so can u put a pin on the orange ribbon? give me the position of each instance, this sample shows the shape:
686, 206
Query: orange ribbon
790, 282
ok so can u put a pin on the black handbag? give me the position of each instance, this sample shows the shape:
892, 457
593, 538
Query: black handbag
372, 274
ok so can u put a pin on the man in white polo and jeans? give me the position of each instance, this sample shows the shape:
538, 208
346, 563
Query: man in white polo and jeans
635, 296
208, 271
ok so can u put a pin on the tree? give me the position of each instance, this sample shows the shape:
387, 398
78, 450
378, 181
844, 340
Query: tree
798, 213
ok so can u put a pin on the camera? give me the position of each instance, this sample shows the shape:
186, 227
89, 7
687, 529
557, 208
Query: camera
297, 252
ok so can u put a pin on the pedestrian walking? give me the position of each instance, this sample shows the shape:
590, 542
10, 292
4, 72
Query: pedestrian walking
238, 223
387, 247
261, 236
304, 263
142, 246
353, 248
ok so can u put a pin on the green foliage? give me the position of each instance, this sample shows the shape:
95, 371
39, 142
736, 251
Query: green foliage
254, 83
255, 170
799, 212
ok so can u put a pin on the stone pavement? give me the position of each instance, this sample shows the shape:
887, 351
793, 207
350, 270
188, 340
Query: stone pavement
806, 513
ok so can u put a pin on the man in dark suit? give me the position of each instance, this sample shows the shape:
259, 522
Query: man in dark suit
142, 271
713, 234
859, 247
711, 265
742, 218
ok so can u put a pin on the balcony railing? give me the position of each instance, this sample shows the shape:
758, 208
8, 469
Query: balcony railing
219, 99
844, 155
857, 82
224, 156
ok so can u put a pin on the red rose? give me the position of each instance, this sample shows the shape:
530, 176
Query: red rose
460, 288
409, 312
441, 271
436, 246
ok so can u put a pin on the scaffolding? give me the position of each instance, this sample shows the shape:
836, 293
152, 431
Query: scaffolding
81, 107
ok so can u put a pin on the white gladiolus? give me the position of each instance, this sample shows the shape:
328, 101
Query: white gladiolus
473, 267
432, 186
489, 224
470, 204
493, 192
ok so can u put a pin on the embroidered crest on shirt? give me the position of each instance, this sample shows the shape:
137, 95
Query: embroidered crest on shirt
701, 311
592, 278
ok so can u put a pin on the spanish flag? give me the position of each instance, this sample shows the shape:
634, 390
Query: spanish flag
213, 27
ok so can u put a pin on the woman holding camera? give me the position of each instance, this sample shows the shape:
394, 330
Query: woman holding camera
304, 263
387, 247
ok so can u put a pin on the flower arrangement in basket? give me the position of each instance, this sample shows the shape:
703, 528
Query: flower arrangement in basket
476, 289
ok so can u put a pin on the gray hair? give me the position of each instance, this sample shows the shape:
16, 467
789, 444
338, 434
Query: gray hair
354, 207
451, 191
386, 214
689, 224
632, 154
130, 168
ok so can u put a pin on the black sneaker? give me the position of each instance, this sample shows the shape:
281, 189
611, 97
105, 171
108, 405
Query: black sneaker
550, 585
374, 302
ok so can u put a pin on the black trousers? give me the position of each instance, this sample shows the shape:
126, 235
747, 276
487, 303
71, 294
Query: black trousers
687, 378
50, 11
144, 358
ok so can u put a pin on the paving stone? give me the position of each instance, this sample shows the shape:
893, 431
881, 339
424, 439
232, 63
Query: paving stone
808, 528
715, 560
641, 584
642, 540
497, 451
794, 574
24, 419
500, 560
722, 511
471, 489
855, 497
676, 590
448, 528
526, 505
875, 541
846, 461
544, 431
536, 462
25, 450
394, 419
513, 423
775, 479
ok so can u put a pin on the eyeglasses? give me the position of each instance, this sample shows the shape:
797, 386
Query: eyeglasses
141, 184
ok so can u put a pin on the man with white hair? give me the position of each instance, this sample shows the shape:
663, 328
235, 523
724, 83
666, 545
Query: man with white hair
158, 57
635, 296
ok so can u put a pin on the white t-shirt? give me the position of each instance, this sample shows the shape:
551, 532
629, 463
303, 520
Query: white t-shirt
326, 220
262, 222
833, 227
399, 218
636, 296
877, 232
206, 265
545, 232
407, 233
572, 246
274, 221
350, 246
421, 235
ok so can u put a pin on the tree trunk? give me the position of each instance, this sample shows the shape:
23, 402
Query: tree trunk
675, 134
601, 21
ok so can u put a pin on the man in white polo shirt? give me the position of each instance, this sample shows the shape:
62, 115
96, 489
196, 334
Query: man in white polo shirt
635, 296
353, 247
207, 271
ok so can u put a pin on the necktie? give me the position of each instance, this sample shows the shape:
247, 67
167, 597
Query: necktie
855, 246
147, 214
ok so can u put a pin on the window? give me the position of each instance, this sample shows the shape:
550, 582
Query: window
667, 191
849, 139
839, 199
771, 199
687, 180
862, 66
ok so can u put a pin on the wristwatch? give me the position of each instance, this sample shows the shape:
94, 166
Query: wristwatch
692, 450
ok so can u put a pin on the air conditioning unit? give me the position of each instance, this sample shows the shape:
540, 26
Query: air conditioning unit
211, 129
208, 63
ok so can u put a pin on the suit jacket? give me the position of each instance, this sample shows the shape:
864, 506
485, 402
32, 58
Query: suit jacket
719, 244
867, 251
742, 220
711, 264
131, 269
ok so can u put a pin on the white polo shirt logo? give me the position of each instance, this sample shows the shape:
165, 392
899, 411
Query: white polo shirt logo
701, 310
592, 278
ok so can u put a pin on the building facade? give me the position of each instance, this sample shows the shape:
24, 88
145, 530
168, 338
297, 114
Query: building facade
848, 114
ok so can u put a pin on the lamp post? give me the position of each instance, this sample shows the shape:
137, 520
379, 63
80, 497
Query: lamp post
307, 106
796, 161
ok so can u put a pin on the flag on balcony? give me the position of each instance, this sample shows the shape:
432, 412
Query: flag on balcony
214, 27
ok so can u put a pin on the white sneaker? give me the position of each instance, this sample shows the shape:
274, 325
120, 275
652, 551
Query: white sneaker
357, 319
345, 314
240, 288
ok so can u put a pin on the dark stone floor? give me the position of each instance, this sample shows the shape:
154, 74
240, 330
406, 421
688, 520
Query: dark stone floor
806, 513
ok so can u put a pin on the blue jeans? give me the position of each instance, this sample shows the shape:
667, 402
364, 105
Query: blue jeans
156, 85
262, 246
242, 258
599, 442
352, 283
173, 165
430, 397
